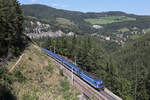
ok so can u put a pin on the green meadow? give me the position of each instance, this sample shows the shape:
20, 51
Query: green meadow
109, 19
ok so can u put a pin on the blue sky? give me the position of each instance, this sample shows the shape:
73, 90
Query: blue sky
140, 7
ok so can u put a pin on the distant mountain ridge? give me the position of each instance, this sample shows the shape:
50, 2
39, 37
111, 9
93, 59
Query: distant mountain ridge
50, 14
60, 12
119, 26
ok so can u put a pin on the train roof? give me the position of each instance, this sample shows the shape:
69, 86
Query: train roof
85, 72
70, 64
91, 75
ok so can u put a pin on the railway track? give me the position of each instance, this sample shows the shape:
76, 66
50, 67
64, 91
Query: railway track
109, 97
84, 87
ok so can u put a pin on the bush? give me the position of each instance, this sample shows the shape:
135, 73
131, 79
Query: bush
67, 96
61, 72
50, 69
65, 85
30, 58
8, 78
1, 71
27, 97
19, 76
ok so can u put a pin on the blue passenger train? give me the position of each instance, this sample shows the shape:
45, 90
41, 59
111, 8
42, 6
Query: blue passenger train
98, 84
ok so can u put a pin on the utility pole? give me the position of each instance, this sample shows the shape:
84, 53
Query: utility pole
135, 90
40, 47
72, 76
75, 60
50, 48
54, 49
72, 71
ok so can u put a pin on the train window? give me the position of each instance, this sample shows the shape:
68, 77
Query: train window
73, 69
100, 83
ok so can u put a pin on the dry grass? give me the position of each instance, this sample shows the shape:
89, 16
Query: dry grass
42, 78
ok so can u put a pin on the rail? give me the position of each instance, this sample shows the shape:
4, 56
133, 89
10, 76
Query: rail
84, 87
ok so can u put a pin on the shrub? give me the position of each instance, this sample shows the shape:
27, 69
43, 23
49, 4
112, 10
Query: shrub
61, 72
50, 69
30, 58
19, 76
27, 96
65, 85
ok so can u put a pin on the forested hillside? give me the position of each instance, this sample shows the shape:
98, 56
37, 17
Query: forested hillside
125, 70
11, 29
114, 26
35, 28
51, 15
12, 42
133, 63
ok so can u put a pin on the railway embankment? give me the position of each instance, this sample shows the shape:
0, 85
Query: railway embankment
37, 77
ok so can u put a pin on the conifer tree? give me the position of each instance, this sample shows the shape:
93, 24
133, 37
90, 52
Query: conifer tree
11, 20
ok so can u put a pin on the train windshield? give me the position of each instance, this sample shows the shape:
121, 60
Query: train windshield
100, 82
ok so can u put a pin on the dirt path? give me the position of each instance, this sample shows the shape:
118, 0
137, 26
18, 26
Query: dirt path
16, 63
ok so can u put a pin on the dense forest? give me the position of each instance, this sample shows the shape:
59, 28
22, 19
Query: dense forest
125, 70
11, 29
12, 41
133, 65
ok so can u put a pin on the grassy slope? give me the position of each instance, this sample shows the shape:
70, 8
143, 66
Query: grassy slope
124, 29
109, 19
64, 21
42, 79
135, 36
148, 30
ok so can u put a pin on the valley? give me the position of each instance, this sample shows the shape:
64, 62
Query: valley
113, 46
115, 26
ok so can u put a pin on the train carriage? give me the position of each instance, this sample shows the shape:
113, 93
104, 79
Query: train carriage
95, 82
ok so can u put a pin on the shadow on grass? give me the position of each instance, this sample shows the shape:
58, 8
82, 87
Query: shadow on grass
6, 94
